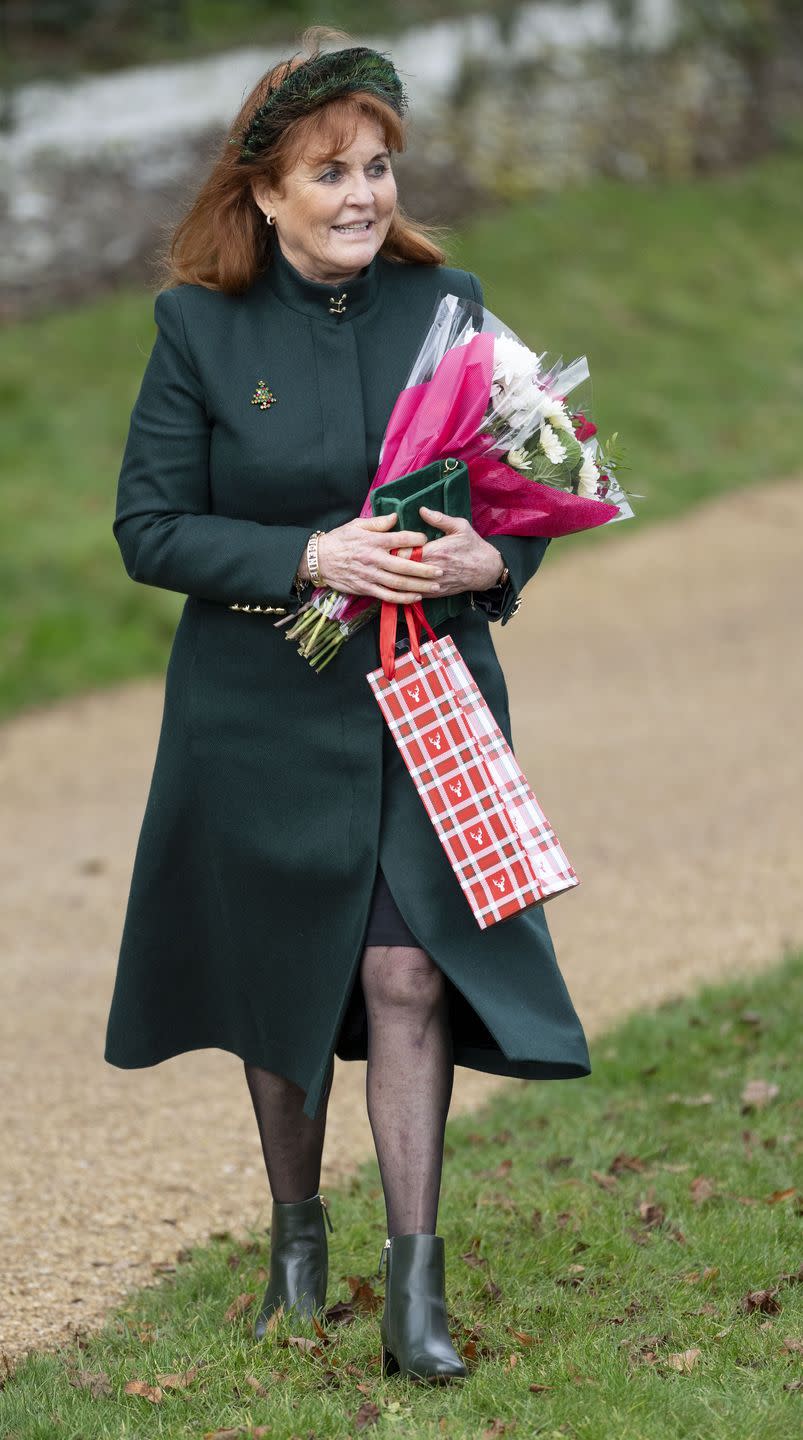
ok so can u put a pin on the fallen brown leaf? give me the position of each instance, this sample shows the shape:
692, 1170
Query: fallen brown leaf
639, 1237
621, 1161
523, 1336
239, 1432
538, 1389
644, 1351
96, 1382
477, 1262
496, 1172
368, 1414
305, 1343
684, 1361
693, 1276
702, 1189
794, 1385
778, 1195
239, 1305
363, 1296
792, 1347
605, 1182
651, 1214
757, 1094
498, 1427
274, 1320
148, 1392
178, 1382
763, 1300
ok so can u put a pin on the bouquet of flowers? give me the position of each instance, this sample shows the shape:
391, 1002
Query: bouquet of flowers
536, 466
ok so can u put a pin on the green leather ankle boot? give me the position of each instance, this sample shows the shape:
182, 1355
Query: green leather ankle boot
299, 1259
414, 1325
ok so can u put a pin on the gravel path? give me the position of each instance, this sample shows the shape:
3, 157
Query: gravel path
654, 684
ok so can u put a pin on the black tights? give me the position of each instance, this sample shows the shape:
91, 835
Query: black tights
408, 1089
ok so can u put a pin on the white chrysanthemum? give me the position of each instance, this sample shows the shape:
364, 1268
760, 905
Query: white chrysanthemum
518, 459
555, 411
588, 479
513, 361
550, 444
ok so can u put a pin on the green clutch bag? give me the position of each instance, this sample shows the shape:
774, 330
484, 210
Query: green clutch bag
442, 485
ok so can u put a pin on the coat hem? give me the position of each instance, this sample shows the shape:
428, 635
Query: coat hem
158, 1058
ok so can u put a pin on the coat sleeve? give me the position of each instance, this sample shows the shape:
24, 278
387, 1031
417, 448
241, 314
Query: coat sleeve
164, 525
521, 553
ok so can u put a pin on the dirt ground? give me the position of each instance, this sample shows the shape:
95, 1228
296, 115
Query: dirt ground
656, 693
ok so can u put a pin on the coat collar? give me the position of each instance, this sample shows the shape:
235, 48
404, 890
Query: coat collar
320, 299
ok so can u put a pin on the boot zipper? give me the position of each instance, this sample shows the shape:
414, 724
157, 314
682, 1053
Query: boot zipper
325, 1208
383, 1257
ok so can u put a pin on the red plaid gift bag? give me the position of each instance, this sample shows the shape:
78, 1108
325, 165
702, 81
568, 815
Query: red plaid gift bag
500, 844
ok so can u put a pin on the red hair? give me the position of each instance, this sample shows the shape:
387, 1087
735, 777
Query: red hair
223, 242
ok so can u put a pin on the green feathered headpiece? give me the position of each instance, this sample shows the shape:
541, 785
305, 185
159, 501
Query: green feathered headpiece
322, 78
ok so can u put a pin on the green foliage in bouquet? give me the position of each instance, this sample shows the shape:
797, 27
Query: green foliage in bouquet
570, 466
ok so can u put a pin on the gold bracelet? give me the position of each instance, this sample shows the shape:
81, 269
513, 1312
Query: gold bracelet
312, 558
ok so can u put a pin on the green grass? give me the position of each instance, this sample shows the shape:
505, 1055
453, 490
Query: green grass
567, 1268
684, 296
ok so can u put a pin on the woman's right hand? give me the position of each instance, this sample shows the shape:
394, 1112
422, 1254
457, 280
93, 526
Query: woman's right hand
355, 559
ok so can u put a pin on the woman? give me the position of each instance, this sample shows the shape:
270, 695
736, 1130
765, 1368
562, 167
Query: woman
290, 900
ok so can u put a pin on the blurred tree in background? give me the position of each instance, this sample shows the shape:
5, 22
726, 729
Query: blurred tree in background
760, 33
41, 38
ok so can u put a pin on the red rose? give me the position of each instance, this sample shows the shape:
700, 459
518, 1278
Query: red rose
585, 429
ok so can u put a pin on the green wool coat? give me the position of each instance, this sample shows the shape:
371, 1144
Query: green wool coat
276, 789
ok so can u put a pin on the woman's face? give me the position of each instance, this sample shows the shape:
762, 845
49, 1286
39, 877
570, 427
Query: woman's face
357, 186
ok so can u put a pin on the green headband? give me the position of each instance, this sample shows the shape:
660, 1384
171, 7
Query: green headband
311, 84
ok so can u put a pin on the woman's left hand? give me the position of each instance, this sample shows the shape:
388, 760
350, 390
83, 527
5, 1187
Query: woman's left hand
468, 562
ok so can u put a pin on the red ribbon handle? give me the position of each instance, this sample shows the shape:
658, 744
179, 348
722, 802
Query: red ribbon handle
388, 620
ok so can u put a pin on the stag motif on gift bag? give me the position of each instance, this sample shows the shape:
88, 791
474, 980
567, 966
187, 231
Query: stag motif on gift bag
477, 836
415, 691
457, 788
500, 884
436, 740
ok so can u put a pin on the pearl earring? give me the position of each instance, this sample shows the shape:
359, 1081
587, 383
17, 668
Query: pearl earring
269, 219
